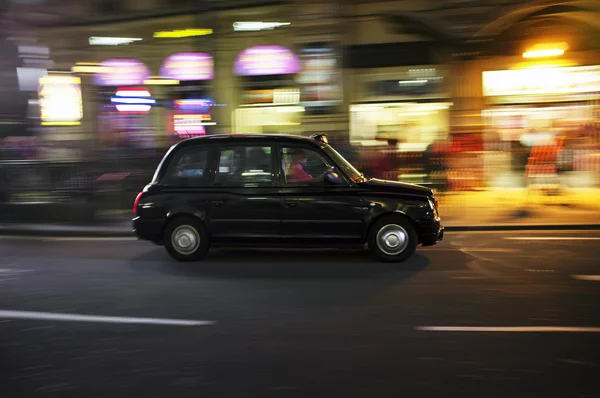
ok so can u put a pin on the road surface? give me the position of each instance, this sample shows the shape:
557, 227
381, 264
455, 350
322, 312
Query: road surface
513, 314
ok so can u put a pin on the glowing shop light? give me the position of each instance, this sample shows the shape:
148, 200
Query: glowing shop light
121, 72
133, 108
420, 81
178, 34
188, 66
256, 26
291, 109
158, 81
266, 60
112, 41
546, 50
88, 67
60, 100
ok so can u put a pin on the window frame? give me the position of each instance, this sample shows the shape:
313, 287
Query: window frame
306, 147
167, 179
224, 146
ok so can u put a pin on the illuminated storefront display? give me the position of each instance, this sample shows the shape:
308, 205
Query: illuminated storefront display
413, 125
537, 108
191, 116
270, 97
266, 60
543, 81
60, 100
121, 72
188, 67
408, 105
269, 119
320, 76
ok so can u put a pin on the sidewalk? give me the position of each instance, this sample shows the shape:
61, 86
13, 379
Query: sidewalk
499, 209
509, 209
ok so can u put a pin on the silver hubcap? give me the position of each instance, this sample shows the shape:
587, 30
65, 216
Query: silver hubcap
185, 239
392, 239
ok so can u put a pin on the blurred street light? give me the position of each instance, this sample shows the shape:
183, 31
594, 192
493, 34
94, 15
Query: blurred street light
112, 41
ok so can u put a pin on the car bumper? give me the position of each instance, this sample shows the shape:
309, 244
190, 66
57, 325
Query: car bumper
430, 232
148, 229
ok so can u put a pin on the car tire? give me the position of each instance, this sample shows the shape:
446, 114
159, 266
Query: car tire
186, 239
393, 239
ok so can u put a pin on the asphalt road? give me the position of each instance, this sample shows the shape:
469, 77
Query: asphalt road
302, 323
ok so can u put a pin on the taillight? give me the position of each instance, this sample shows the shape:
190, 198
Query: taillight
137, 202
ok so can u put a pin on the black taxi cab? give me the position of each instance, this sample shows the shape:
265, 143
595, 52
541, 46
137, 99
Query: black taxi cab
276, 190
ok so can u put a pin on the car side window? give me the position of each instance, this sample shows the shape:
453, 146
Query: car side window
189, 168
241, 166
303, 166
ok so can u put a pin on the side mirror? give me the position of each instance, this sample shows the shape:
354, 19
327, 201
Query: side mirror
330, 177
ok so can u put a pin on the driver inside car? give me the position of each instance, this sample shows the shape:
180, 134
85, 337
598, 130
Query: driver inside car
296, 173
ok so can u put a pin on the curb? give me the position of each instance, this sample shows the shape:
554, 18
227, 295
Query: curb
99, 232
529, 227
67, 232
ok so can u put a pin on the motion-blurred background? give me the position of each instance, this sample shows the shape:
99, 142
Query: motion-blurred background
493, 103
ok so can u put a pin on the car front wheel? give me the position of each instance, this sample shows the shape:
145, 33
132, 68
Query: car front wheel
186, 239
393, 239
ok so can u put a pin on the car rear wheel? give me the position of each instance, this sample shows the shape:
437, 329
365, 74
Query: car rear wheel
393, 239
186, 239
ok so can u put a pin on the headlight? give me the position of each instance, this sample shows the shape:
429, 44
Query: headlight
431, 203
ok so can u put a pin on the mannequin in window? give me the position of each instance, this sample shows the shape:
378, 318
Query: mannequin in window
296, 173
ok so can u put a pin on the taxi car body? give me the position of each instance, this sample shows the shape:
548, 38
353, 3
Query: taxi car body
276, 190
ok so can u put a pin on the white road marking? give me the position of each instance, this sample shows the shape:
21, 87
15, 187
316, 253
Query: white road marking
53, 316
587, 277
552, 238
107, 239
14, 271
73, 238
510, 329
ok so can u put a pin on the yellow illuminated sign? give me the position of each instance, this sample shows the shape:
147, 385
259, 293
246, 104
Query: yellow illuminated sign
157, 81
178, 34
541, 81
546, 50
60, 100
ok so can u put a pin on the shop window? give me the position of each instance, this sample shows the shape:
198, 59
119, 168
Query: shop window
245, 166
303, 166
190, 168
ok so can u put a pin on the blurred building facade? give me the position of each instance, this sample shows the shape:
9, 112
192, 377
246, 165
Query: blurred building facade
433, 79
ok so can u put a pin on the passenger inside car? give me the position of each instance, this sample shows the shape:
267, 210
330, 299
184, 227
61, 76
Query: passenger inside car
295, 172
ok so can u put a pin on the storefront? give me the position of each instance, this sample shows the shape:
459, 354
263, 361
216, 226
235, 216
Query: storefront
125, 114
409, 107
270, 97
188, 103
540, 111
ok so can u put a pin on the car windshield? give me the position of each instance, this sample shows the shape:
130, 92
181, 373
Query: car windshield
355, 175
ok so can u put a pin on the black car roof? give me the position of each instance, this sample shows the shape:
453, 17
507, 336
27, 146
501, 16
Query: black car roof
248, 137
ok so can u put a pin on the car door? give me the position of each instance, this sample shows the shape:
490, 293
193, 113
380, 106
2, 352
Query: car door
315, 211
245, 206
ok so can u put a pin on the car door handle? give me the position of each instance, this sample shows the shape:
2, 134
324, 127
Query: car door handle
217, 203
291, 204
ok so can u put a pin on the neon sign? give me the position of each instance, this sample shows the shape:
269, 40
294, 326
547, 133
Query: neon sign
188, 66
266, 60
121, 72
133, 100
